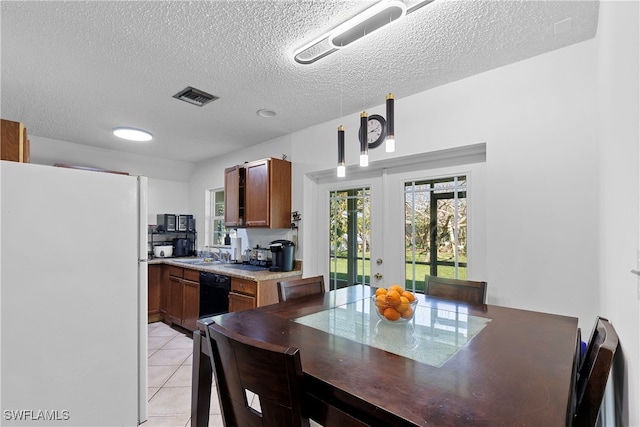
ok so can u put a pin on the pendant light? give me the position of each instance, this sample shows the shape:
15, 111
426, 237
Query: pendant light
364, 143
341, 171
390, 143
341, 168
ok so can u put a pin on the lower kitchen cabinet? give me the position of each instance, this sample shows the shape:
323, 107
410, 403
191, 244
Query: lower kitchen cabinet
190, 304
153, 292
183, 297
243, 294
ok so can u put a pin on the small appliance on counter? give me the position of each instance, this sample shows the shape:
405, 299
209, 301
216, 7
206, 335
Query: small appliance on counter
166, 222
181, 247
163, 251
183, 222
282, 255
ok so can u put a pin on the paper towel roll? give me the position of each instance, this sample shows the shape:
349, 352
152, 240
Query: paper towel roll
236, 249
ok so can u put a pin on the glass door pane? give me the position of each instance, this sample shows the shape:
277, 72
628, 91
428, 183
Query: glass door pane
350, 237
435, 230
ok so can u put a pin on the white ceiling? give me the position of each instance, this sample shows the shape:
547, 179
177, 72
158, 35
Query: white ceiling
74, 70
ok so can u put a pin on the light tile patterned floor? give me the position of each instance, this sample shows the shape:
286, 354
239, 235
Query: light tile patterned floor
170, 362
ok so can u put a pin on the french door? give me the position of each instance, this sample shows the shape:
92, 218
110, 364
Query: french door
393, 229
355, 230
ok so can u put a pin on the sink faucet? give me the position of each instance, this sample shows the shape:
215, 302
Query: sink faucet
219, 255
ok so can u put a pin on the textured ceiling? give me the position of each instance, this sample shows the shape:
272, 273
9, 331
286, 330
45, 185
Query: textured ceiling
74, 70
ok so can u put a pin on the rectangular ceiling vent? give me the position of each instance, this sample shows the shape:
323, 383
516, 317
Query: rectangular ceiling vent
195, 96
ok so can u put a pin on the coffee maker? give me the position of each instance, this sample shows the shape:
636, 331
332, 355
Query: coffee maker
282, 255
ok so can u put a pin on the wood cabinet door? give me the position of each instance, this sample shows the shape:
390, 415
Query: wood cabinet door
239, 302
13, 137
164, 291
191, 304
257, 208
174, 311
232, 213
153, 292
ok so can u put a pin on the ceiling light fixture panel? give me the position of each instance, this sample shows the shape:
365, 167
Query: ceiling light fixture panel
365, 23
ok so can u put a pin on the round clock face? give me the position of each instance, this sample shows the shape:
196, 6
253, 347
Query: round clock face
376, 130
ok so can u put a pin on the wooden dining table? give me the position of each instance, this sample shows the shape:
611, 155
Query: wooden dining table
453, 364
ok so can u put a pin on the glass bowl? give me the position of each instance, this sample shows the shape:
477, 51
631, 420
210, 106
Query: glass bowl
393, 313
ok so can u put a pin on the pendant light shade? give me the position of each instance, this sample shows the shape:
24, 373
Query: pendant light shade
341, 167
364, 143
390, 144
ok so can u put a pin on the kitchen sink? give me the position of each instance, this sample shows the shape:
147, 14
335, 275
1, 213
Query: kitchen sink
197, 262
248, 267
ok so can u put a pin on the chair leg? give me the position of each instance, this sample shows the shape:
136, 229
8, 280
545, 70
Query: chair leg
201, 382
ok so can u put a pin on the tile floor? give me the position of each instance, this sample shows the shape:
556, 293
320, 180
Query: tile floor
170, 364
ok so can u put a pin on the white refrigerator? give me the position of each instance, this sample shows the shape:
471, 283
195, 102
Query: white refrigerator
73, 297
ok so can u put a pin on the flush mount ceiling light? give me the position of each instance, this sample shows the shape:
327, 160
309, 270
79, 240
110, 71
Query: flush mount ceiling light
361, 25
132, 134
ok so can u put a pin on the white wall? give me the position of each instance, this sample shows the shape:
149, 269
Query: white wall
47, 151
168, 188
619, 187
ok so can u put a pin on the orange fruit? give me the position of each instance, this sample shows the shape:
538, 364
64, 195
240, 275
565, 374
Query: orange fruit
404, 305
391, 314
381, 291
396, 288
408, 313
381, 301
392, 298
408, 295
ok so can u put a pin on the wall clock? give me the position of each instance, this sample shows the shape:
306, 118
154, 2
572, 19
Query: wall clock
376, 130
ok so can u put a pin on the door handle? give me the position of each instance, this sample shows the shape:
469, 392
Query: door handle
378, 276
636, 272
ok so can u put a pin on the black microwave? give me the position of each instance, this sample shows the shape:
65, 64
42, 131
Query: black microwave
185, 223
166, 222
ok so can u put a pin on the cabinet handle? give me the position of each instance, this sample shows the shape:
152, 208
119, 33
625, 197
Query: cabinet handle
636, 272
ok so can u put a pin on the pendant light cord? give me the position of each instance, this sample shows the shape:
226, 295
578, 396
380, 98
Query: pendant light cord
364, 74
341, 80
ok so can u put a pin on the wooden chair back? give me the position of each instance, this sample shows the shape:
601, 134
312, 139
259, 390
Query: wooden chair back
457, 290
594, 373
272, 373
297, 288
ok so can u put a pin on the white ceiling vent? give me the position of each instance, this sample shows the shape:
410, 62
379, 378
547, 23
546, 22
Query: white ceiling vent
195, 96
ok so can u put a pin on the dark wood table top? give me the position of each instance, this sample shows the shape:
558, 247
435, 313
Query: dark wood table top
518, 370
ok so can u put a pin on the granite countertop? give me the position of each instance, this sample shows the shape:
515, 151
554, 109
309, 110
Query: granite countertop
229, 270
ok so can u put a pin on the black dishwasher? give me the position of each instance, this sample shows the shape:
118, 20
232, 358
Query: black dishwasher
214, 294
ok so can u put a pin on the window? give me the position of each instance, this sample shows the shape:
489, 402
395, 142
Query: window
435, 229
217, 230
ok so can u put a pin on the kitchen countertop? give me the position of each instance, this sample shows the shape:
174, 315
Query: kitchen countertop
228, 270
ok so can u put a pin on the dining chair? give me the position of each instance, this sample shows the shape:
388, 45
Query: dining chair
594, 372
297, 288
457, 290
245, 370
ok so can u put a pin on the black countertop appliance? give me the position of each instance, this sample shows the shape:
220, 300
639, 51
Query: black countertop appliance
282, 255
181, 247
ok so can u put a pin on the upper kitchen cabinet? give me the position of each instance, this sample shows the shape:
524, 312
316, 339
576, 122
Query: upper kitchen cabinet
14, 142
258, 194
234, 196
